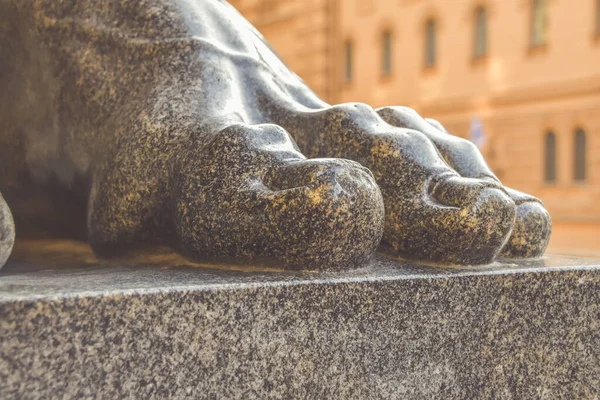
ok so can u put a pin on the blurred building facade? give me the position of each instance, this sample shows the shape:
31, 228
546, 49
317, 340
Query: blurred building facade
520, 77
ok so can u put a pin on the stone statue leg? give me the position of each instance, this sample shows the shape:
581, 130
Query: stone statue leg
432, 212
247, 195
533, 225
7, 231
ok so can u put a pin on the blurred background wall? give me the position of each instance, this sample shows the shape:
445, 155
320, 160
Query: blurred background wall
521, 78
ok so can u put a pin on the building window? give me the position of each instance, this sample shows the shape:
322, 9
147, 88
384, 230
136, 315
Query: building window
349, 67
550, 159
480, 49
386, 62
579, 170
430, 43
539, 23
597, 17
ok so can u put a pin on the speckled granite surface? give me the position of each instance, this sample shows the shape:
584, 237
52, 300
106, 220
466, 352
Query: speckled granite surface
83, 329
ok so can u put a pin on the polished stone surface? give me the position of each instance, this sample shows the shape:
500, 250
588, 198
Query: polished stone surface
72, 326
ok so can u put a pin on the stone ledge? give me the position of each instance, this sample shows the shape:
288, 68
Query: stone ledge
76, 327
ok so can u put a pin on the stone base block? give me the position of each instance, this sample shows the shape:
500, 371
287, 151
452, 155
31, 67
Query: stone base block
74, 327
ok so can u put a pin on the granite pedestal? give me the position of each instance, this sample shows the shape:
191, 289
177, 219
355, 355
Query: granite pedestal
74, 327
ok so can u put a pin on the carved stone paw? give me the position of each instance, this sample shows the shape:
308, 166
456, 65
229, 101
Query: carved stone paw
177, 125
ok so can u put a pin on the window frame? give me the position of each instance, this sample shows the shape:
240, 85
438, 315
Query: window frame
597, 20
387, 59
430, 47
538, 6
480, 25
580, 170
550, 158
349, 66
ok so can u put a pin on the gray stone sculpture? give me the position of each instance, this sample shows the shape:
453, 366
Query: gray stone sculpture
138, 123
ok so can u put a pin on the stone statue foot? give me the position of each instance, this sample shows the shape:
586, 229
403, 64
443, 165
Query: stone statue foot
532, 230
250, 196
169, 126
533, 224
432, 212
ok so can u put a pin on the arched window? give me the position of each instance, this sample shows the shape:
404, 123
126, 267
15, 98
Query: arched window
386, 48
349, 59
430, 43
539, 22
480, 49
579, 170
550, 158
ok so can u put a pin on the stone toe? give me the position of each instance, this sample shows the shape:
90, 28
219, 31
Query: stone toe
533, 227
460, 221
326, 213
